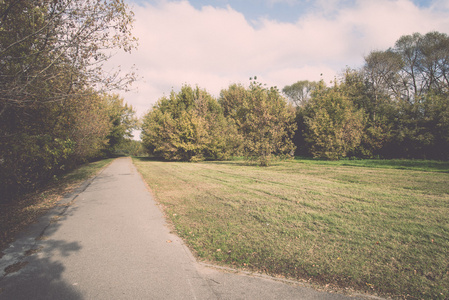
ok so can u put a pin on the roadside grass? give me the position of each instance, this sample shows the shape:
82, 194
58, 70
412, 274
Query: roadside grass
16, 215
367, 226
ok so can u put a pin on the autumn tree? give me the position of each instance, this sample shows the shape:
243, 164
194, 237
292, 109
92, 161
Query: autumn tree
43, 41
52, 74
334, 126
264, 119
188, 126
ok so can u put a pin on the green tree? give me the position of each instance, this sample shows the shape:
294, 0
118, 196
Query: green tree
379, 110
52, 55
421, 129
49, 138
42, 41
187, 126
264, 119
299, 92
133, 147
122, 122
425, 63
407, 87
334, 126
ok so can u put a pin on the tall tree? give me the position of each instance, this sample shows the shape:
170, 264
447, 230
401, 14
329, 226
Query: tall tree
122, 122
188, 125
299, 92
334, 126
44, 40
52, 56
264, 119
406, 84
425, 63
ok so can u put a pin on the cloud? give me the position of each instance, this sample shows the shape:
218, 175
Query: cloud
214, 46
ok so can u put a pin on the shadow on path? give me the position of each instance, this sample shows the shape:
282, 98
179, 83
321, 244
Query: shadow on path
29, 269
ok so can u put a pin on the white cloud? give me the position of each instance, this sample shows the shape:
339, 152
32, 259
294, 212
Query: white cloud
213, 47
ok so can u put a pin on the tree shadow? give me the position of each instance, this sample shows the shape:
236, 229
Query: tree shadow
38, 277
33, 272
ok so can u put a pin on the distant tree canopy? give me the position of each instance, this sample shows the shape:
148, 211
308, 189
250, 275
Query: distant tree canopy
395, 106
300, 92
122, 121
54, 109
402, 94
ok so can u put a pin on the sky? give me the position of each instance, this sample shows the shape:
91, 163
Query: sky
212, 44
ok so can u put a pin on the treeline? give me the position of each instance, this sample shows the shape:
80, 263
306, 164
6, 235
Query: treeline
55, 108
395, 106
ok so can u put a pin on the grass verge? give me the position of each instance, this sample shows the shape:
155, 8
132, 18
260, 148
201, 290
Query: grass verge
15, 216
370, 226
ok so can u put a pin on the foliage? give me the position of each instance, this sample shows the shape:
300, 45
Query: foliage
411, 78
52, 110
188, 126
264, 119
50, 138
334, 126
44, 41
132, 147
300, 92
403, 93
422, 131
123, 121
379, 112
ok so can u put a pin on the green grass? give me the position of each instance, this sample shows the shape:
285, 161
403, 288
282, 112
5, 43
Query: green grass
402, 164
376, 226
16, 215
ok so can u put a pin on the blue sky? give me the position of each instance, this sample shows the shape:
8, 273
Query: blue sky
215, 43
280, 10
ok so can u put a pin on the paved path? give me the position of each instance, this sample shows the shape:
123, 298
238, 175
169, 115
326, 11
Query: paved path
111, 242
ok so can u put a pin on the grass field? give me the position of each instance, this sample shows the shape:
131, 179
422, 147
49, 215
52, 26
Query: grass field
15, 215
376, 226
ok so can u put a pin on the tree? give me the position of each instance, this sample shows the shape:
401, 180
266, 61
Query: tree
264, 119
378, 108
405, 86
188, 126
421, 129
133, 147
382, 77
44, 40
52, 55
299, 93
334, 126
49, 138
122, 122
425, 65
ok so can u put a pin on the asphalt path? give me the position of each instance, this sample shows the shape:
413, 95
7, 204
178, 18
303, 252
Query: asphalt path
109, 240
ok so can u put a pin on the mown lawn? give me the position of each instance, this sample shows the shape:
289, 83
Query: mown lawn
376, 226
